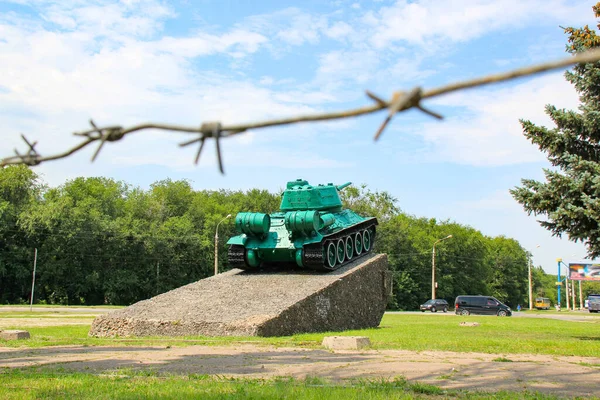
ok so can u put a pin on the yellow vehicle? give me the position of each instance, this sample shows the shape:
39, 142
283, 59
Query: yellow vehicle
542, 303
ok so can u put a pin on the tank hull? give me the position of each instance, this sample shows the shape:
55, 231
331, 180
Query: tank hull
311, 231
314, 252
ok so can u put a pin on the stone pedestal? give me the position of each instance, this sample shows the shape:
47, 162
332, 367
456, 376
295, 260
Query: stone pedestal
263, 303
14, 335
346, 342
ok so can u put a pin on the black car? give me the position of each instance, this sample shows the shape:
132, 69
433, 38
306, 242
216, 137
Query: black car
434, 305
485, 305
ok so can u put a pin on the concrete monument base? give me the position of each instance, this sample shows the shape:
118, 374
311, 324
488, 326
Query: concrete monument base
262, 303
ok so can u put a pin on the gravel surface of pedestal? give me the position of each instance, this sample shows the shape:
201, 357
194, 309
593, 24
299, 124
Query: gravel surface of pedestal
263, 303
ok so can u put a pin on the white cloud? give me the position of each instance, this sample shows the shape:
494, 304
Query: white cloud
243, 42
111, 61
357, 66
106, 18
339, 30
486, 130
441, 23
54, 78
410, 70
304, 28
291, 26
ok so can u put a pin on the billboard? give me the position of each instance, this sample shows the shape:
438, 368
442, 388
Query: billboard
584, 272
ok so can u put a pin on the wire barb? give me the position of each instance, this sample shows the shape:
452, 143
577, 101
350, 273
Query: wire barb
110, 134
376, 98
31, 158
207, 130
400, 101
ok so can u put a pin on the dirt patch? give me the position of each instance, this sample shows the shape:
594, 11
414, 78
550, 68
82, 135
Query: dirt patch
563, 376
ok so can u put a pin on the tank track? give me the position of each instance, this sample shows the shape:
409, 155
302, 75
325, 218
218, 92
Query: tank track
236, 257
314, 253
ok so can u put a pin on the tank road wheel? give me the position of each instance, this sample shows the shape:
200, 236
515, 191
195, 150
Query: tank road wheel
331, 255
349, 248
341, 251
358, 248
366, 240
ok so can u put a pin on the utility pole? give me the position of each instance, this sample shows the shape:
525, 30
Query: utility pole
433, 283
558, 282
567, 291
580, 297
572, 294
530, 289
33, 280
216, 253
157, 272
531, 282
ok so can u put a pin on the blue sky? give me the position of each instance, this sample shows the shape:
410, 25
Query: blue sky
185, 62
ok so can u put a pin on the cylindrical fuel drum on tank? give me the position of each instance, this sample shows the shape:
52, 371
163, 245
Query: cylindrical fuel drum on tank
302, 222
253, 223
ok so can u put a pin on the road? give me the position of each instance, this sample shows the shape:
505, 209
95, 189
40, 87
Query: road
581, 316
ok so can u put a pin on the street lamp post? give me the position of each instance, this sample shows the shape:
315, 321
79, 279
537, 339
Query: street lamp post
558, 283
217, 244
530, 294
530, 284
433, 265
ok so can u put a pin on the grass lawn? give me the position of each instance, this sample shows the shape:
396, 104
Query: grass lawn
32, 384
26, 306
397, 331
502, 336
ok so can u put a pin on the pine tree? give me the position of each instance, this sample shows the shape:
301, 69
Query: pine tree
570, 197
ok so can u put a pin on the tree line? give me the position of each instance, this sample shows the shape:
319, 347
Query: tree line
102, 241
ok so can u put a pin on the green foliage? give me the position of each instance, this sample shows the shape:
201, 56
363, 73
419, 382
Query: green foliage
508, 260
101, 241
544, 285
367, 203
19, 191
570, 198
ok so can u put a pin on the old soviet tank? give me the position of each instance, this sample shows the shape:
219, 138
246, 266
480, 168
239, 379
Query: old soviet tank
311, 230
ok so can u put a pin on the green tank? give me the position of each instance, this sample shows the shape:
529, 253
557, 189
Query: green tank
311, 230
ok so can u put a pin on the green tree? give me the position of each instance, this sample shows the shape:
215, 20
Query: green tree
544, 285
569, 199
363, 201
461, 266
20, 189
508, 280
77, 232
102, 242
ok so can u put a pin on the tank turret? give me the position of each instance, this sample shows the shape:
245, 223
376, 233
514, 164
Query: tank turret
311, 230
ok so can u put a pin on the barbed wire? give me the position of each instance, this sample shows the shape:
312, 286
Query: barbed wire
399, 102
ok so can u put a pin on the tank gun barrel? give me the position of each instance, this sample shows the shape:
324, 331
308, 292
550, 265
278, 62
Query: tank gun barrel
340, 187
